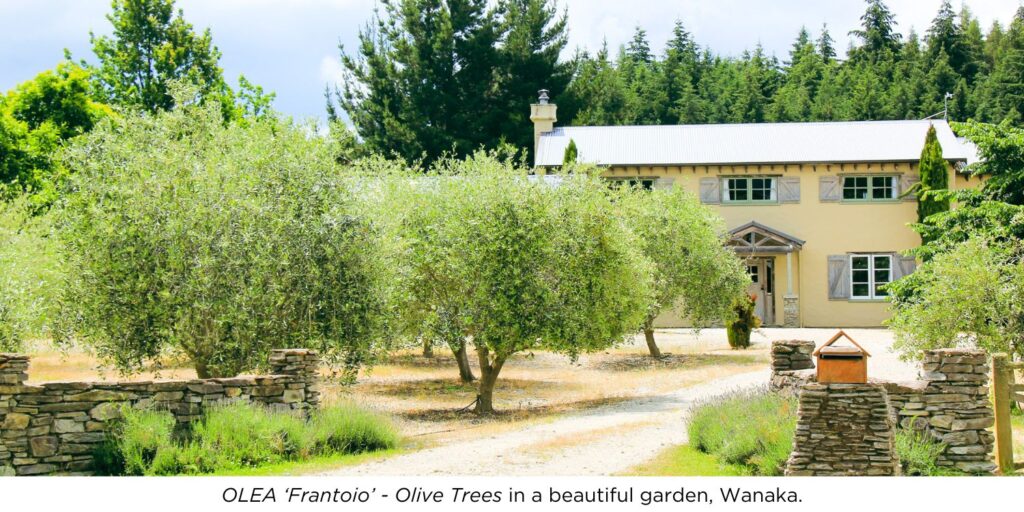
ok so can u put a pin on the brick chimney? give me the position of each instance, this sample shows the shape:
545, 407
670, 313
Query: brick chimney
543, 116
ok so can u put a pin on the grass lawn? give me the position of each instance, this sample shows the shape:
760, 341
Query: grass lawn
312, 466
683, 460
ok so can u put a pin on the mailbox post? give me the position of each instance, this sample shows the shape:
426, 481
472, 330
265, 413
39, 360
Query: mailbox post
842, 364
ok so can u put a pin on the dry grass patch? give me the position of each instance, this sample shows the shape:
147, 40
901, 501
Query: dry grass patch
429, 404
76, 364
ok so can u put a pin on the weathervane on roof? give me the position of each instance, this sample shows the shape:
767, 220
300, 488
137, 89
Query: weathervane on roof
945, 108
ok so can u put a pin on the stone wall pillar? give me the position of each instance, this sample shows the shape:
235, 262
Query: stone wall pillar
14, 424
13, 370
843, 429
302, 365
952, 404
792, 361
791, 311
789, 355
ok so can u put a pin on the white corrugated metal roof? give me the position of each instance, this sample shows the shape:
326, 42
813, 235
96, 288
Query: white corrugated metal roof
760, 143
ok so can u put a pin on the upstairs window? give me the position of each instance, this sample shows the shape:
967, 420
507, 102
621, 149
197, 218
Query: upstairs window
642, 183
869, 188
744, 189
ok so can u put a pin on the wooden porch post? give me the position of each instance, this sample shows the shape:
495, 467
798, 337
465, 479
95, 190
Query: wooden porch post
789, 271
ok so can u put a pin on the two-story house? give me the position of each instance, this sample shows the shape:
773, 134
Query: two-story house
818, 210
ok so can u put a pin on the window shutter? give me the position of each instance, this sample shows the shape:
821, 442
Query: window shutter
905, 265
710, 191
664, 183
829, 189
907, 182
789, 189
838, 277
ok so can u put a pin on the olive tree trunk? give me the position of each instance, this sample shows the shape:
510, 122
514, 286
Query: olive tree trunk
489, 370
428, 348
462, 358
649, 336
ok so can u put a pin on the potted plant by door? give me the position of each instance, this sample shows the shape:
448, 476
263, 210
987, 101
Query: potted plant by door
739, 328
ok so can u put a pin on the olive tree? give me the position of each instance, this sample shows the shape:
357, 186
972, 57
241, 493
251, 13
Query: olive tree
971, 295
29, 273
218, 241
417, 210
685, 241
537, 264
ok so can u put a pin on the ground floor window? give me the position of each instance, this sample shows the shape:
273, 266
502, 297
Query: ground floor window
869, 273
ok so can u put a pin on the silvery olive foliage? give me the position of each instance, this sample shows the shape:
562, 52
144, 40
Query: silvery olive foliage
29, 273
971, 295
218, 241
516, 263
685, 241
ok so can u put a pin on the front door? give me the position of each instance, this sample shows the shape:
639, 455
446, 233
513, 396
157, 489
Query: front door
761, 271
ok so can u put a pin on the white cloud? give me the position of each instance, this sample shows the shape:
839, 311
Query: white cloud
331, 70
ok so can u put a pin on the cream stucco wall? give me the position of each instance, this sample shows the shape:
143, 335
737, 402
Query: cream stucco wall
828, 228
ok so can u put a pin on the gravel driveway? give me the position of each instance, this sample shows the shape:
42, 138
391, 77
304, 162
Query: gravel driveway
614, 438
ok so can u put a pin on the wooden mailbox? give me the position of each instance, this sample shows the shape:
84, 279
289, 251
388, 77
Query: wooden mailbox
842, 364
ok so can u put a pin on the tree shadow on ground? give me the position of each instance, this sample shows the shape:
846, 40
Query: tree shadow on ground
453, 387
639, 362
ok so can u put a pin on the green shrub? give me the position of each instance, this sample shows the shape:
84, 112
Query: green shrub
751, 429
242, 435
350, 429
739, 328
918, 453
237, 436
138, 438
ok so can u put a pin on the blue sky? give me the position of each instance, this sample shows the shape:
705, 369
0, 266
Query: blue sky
290, 46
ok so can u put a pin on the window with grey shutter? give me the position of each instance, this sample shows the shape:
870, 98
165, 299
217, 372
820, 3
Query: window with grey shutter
664, 183
908, 183
789, 189
905, 265
710, 191
828, 189
838, 277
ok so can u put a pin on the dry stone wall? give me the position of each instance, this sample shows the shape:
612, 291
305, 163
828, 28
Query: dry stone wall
952, 405
843, 429
55, 427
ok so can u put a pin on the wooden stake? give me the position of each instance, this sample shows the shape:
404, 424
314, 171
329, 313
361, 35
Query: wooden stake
1001, 395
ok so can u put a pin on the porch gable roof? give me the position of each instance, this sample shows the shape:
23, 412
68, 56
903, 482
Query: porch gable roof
754, 237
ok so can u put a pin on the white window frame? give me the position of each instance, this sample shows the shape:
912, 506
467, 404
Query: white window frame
894, 185
641, 182
773, 190
872, 283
